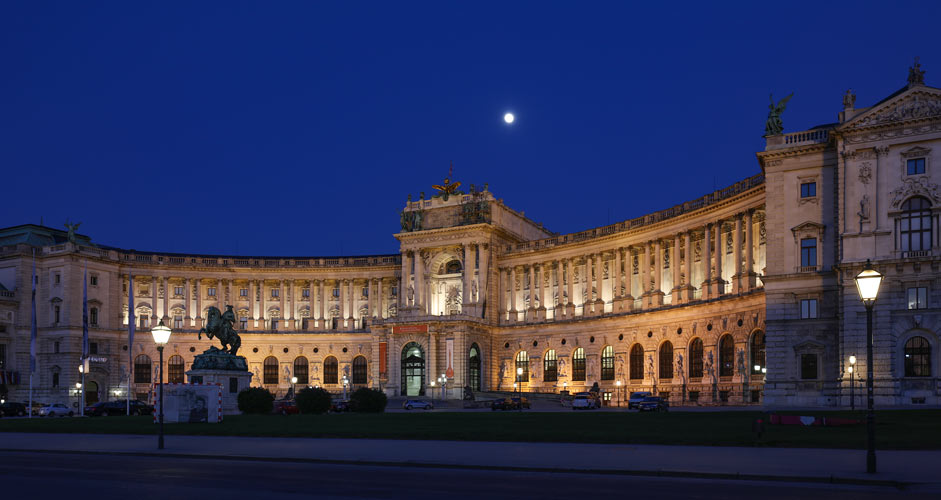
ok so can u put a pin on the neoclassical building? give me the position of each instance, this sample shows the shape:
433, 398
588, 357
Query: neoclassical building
742, 296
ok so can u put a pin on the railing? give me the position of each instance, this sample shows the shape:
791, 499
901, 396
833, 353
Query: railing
7, 293
916, 253
804, 137
649, 219
806, 269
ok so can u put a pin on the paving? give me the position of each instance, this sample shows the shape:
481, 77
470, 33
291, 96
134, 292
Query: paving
898, 468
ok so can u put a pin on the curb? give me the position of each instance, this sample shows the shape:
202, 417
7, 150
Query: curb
901, 485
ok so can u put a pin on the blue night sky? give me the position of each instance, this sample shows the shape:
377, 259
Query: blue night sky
282, 128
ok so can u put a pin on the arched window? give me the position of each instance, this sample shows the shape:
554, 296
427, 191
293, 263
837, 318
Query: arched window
550, 370
607, 363
175, 369
578, 365
301, 370
413, 370
473, 365
695, 359
666, 360
270, 375
522, 361
915, 224
726, 356
757, 349
359, 370
637, 362
142, 369
330, 371
917, 357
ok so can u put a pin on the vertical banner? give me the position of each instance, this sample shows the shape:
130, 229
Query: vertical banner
449, 353
383, 359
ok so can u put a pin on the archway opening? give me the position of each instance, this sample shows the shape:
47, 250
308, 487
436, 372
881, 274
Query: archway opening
413, 370
91, 392
473, 363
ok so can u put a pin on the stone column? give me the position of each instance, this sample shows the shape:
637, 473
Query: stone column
291, 304
750, 277
431, 370
483, 276
342, 300
189, 305
737, 255
645, 275
707, 261
420, 291
531, 309
587, 298
540, 291
688, 267
570, 288
599, 284
502, 309
512, 286
166, 301
323, 303
403, 282
616, 299
656, 297
627, 296
719, 288
675, 267
559, 311
468, 277
252, 303
199, 303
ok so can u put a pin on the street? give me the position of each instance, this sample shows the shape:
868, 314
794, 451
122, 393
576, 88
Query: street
102, 476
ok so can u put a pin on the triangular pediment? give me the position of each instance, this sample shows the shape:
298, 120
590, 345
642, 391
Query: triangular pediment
809, 225
907, 105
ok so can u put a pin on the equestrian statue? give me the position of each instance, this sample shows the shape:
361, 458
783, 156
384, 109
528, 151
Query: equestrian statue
219, 325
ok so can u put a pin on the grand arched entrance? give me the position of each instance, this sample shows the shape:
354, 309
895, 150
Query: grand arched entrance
413, 370
473, 366
91, 392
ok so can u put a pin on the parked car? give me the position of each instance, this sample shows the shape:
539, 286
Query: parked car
593, 396
36, 407
339, 405
118, 408
95, 410
11, 409
636, 398
55, 410
521, 400
584, 402
413, 404
286, 407
501, 404
653, 404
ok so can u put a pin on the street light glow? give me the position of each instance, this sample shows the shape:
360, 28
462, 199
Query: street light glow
867, 283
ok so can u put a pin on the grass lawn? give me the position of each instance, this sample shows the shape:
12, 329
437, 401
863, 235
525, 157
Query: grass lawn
896, 429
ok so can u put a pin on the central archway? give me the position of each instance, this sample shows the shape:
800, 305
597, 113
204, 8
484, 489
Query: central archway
413, 370
473, 364
91, 393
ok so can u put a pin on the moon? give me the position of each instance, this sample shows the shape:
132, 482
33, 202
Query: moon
509, 118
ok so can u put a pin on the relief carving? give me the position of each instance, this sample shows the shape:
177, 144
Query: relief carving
865, 172
915, 187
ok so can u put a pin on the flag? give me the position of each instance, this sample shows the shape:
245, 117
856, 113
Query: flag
85, 314
32, 319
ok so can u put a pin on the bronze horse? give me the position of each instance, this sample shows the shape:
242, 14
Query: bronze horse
219, 325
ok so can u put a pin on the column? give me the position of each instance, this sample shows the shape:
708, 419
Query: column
166, 301
707, 261
589, 299
675, 267
560, 303
750, 277
718, 287
737, 255
657, 296
512, 286
483, 276
531, 310
468, 276
291, 304
153, 295
342, 299
616, 299
230, 294
323, 302
645, 273
688, 267
199, 303
599, 284
282, 291
421, 300
251, 303
403, 282
537, 288
431, 370
570, 288
501, 293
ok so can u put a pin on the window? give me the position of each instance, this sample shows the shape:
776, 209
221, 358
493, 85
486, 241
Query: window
142, 369
550, 370
58, 278
808, 252
270, 374
243, 292
178, 290
178, 322
365, 292
243, 323
918, 298
808, 308
275, 293
695, 358
359, 370
330, 371
305, 293
274, 324
916, 166
474, 365
55, 318
726, 356
211, 291
395, 291
522, 361
607, 363
175, 369
758, 352
637, 362
93, 280
578, 365
809, 366
93, 348
666, 360
3, 356
55, 348
304, 323
144, 320
93, 316
336, 292
55, 379
915, 225
917, 357
808, 189
301, 370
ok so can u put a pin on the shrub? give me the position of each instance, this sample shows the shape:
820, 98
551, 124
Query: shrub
368, 400
313, 400
256, 400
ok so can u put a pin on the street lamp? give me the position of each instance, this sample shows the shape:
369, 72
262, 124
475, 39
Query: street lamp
294, 386
432, 391
161, 336
81, 395
345, 383
867, 284
852, 370
618, 383
519, 385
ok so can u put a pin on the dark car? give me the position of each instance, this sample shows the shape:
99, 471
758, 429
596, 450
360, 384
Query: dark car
11, 409
636, 398
340, 405
653, 404
516, 402
285, 407
501, 404
118, 408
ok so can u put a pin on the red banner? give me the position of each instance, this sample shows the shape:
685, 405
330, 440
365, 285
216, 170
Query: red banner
410, 329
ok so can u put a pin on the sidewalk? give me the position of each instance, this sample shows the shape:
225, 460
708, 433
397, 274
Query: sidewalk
786, 464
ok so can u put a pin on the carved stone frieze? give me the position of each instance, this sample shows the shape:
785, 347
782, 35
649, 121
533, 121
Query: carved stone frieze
915, 187
865, 172
918, 105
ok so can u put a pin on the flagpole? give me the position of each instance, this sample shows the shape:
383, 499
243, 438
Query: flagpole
32, 337
130, 336
82, 392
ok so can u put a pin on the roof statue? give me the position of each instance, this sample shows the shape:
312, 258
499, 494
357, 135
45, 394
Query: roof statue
916, 75
849, 99
447, 189
774, 126
72, 228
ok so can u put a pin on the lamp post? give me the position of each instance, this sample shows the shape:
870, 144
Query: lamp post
78, 392
294, 386
519, 385
432, 392
81, 396
345, 382
161, 336
867, 284
852, 370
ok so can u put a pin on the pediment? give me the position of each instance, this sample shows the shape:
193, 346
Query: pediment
808, 226
809, 346
916, 103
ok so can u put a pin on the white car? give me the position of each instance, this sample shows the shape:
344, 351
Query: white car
55, 409
584, 402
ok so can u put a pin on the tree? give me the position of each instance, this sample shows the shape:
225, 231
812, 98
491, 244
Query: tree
368, 400
313, 400
256, 400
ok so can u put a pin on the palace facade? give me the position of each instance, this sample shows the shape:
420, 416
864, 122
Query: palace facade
742, 296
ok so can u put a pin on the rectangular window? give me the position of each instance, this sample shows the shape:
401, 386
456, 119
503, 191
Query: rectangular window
243, 292
55, 347
93, 280
274, 324
808, 189
58, 278
93, 316
177, 290
808, 252
809, 366
336, 292
916, 166
211, 291
55, 319
918, 297
304, 324
93, 348
275, 293
305, 293
365, 292
178, 322
55, 379
243, 323
395, 291
808, 308
143, 321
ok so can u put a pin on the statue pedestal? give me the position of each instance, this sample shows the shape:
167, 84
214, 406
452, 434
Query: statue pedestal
232, 381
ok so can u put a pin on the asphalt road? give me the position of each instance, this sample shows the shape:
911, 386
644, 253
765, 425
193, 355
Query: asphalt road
55, 475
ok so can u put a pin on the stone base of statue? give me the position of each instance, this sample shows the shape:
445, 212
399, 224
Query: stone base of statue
215, 366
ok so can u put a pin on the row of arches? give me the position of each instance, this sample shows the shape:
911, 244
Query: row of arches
143, 367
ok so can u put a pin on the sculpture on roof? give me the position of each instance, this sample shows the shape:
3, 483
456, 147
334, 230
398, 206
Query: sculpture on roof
447, 189
774, 125
916, 75
72, 228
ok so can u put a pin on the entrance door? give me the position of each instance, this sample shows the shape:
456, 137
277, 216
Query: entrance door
473, 364
91, 393
413, 370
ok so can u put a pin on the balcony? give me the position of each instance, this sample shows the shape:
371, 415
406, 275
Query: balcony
802, 138
914, 254
807, 269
